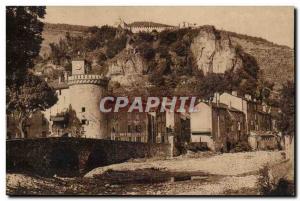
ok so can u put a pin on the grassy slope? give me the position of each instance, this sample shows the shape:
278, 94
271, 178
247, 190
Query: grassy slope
276, 61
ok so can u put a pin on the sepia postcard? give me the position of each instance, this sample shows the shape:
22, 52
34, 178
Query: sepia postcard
150, 100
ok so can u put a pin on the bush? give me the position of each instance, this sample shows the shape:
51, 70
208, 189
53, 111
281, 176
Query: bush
163, 51
115, 46
168, 37
284, 188
264, 181
144, 36
197, 146
241, 146
268, 188
179, 48
101, 58
148, 53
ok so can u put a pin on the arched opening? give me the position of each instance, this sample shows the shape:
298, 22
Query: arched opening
97, 158
64, 161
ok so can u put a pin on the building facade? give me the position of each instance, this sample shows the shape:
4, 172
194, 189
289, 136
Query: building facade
145, 26
258, 116
82, 93
132, 127
218, 125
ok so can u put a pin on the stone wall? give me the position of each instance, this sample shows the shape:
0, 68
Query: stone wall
85, 100
74, 156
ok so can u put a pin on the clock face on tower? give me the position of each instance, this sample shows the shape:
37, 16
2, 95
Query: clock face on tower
78, 67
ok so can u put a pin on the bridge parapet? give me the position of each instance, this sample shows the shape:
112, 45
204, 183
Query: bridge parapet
74, 156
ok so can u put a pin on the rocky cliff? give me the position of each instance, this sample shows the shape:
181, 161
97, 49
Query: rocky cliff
127, 69
213, 51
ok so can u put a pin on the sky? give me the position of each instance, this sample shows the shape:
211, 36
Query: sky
273, 23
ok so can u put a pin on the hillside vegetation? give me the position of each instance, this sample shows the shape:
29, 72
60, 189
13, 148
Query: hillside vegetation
171, 62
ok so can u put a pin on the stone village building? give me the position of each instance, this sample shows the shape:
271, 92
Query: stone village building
217, 124
132, 127
228, 119
82, 92
148, 26
151, 127
221, 123
144, 26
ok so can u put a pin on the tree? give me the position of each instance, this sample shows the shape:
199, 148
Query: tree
287, 107
147, 51
25, 93
210, 84
264, 89
167, 37
180, 48
23, 40
60, 52
34, 95
115, 46
74, 125
145, 36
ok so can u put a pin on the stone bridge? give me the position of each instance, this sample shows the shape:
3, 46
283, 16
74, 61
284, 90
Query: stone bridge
74, 156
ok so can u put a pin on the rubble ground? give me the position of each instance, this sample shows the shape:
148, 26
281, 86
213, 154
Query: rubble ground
191, 174
232, 164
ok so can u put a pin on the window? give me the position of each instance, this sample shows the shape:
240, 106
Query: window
169, 130
83, 109
239, 126
83, 121
138, 128
129, 128
138, 139
44, 121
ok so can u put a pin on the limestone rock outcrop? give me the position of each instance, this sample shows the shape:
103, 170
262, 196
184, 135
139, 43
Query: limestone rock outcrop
214, 52
127, 68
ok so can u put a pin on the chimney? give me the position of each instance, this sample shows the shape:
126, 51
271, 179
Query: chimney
234, 93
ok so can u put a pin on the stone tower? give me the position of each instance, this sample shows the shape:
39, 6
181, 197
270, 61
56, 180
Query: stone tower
86, 92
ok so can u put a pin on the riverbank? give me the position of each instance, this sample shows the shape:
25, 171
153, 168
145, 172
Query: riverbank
192, 174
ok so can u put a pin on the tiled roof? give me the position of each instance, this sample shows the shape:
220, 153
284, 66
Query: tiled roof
147, 24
